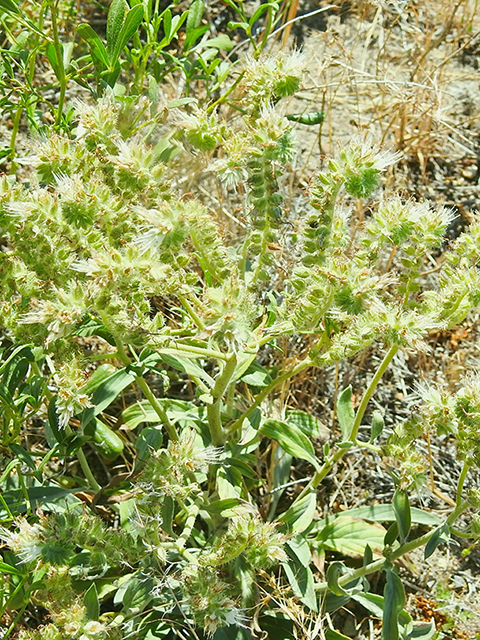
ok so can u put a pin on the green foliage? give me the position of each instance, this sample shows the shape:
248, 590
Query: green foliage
115, 255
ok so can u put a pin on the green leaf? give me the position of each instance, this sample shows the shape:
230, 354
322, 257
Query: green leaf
391, 535
311, 426
423, 630
282, 462
116, 18
403, 515
345, 412
228, 508
263, 8
377, 425
195, 14
394, 601
91, 326
7, 568
256, 376
350, 536
441, 534
385, 513
100, 58
10, 6
331, 634
291, 439
238, 25
298, 571
139, 412
132, 22
167, 24
92, 605
302, 583
300, 515
107, 442
107, 392
374, 603
99, 376
187, 366
334, 572
221, 42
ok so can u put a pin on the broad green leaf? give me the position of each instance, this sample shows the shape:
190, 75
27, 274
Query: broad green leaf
229, 507
137, 594
300, 515
98, 52
92, 605
334, 572
150, 438
180, 102
345, 412
221, 42
106, 441
441, 534
132, 21
99, 376
298, 547
91, 326
311, 426
374, 603
195, 14
194, 35
167, 24
139, 412
282, 462
291, 439
403, 514
116, 17
384, 513
309, 118
256, 376
350, 536
394, 601
110, 389
391, 535
302, 583
377, 425
298, 571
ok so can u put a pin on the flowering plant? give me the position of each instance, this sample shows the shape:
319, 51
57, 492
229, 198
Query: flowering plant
114, 254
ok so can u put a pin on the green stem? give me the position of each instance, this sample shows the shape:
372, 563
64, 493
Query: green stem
192, 313
147, 392
226, 94
87, 471
263, 394
159, 410
60, 71
370, 390
340, 452
461, 482
322, 587
214, 409
188, 528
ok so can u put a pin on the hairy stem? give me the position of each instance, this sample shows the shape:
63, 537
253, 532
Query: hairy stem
340, 452
214, 409
148, 393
